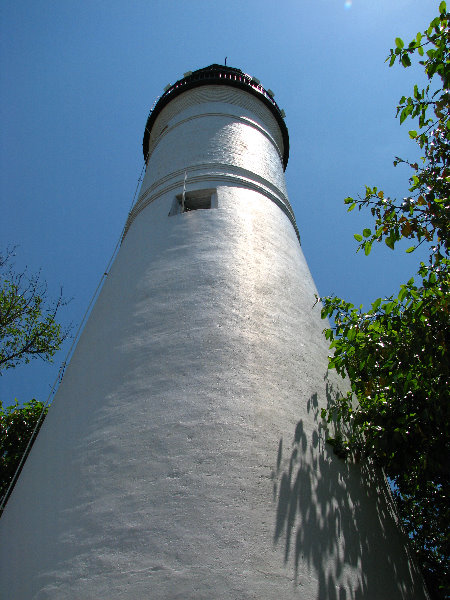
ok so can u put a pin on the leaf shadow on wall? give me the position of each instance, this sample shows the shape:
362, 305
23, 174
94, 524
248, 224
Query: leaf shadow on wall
336, 520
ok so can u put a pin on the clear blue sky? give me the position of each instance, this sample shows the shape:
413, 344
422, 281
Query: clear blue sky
77, 82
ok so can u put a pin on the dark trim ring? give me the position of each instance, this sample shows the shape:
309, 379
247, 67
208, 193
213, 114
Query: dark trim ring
217, 75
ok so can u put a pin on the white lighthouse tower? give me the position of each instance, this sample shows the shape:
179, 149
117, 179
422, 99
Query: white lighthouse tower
183, 456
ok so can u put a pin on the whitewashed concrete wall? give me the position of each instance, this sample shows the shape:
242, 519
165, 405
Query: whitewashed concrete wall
183, 455
211, 134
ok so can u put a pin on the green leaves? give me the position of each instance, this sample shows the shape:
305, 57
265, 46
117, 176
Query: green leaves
396, 353
376, 304
406, 61
352, 203
406, 111
397, 360
390, 242
17, 425
28, 326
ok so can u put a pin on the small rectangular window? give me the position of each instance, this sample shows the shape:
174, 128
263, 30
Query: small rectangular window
197, 200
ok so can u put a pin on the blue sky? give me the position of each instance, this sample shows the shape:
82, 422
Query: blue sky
77, 80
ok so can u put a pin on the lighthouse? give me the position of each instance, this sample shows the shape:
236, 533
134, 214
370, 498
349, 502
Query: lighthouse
184, 456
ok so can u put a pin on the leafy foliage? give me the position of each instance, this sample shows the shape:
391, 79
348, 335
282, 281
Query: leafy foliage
28, 326
28, 329
396, 354
17, 425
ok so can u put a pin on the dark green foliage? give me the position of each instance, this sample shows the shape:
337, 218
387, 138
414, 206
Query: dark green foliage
17, 424
28, 329
396, 354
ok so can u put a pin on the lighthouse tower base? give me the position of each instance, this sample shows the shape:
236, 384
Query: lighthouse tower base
184, 457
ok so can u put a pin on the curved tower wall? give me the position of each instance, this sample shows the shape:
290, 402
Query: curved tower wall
215, 134
183, 455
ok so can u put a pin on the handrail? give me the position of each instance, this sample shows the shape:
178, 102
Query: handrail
224, 72
219, 74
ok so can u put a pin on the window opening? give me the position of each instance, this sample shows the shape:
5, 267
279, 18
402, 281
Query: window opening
196, 202
190, 201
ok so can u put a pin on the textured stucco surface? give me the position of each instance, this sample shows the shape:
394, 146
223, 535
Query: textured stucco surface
182, 456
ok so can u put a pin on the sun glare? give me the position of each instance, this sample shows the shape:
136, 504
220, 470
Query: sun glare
348, 4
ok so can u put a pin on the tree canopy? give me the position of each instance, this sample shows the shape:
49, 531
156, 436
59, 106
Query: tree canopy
28, 329
28, 325
18, 426
396, 353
